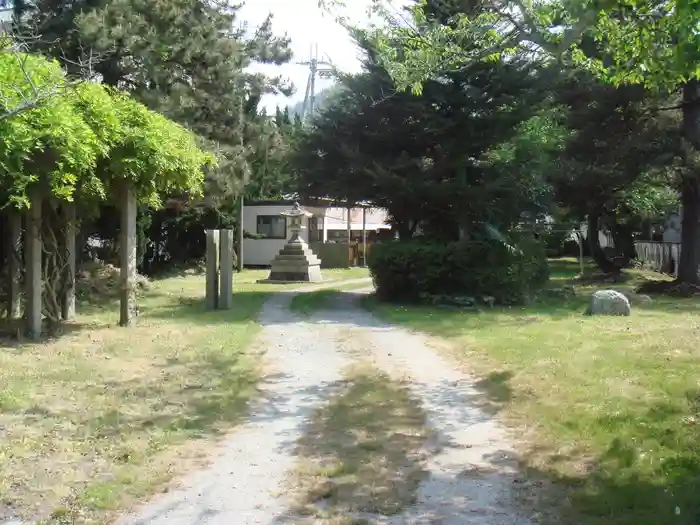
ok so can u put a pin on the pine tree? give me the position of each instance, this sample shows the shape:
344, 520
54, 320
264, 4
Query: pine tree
184, 58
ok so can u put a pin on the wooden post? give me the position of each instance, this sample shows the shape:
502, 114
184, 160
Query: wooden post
14, 306
226, 270
69, 233
240, 234
364, 236
127, 256
212, 278
32, 273
349, 226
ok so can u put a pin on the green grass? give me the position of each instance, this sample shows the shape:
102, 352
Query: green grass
610, 404
307, 303
362, 451
103, 416
329, 275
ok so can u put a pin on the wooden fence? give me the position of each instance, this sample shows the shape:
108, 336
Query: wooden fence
659, 256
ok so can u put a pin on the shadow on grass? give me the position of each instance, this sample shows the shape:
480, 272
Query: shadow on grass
361, 453
495, 386
622, 487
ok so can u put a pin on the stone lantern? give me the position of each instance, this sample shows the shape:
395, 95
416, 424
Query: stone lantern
295, 216
295, 262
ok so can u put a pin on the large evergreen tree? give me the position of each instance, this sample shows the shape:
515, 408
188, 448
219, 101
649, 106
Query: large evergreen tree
652, 43
425, 158
184, 58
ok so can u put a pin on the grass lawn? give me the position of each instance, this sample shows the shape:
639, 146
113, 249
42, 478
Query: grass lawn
309, 302
611, 406
249, 277
362, 451
103, 416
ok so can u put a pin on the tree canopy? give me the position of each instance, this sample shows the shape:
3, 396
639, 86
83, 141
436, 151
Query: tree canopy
89, 140
650, 44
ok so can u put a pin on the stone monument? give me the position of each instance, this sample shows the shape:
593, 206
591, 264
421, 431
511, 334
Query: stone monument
295, 262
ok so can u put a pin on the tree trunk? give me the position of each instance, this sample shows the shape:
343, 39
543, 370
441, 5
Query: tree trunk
624, 243
404, 231
689, 263
605, 265
690, 233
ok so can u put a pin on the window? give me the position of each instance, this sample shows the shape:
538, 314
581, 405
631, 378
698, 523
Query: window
272, 226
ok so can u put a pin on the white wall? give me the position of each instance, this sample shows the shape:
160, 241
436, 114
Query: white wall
337, 218
260, 252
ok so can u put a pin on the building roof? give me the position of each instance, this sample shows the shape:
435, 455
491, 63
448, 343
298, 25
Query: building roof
318, 202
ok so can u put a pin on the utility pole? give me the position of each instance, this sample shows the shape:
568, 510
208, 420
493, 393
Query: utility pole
316, 67
241, 200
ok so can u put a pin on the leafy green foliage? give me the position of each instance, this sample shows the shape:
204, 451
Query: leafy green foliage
156, 155
90, 138
478, 269
440, 158
50, 144
186, 59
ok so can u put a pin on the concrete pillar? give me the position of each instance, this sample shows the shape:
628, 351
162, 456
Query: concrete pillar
127, 256
324, 237
226, 270
33, 266
69, 233
212, 278
14, 306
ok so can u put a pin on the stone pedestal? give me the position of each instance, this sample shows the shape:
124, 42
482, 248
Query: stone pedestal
225, 269
212, 278
296, 263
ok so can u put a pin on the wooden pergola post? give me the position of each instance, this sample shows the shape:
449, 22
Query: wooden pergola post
364, 236
14, 306
33, 267
127, 256
69, 234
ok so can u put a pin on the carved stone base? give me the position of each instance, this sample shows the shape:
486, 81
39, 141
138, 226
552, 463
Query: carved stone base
295, 263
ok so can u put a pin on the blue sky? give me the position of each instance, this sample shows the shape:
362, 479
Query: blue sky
307, 24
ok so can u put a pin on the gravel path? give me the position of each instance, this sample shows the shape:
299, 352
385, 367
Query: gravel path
244, 484
471, 472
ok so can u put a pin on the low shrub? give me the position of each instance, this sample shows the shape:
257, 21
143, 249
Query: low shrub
486, 270
96, 282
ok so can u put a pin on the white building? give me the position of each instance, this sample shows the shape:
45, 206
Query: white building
5, 13
268, 231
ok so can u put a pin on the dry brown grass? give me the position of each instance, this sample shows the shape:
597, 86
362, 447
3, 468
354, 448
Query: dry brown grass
363, 451
102, 417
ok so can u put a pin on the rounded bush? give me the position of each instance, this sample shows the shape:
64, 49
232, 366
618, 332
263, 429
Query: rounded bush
417, 270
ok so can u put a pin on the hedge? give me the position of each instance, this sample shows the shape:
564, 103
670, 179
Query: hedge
485, 270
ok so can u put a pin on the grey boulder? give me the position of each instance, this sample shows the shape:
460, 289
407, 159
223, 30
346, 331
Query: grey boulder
609, 302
